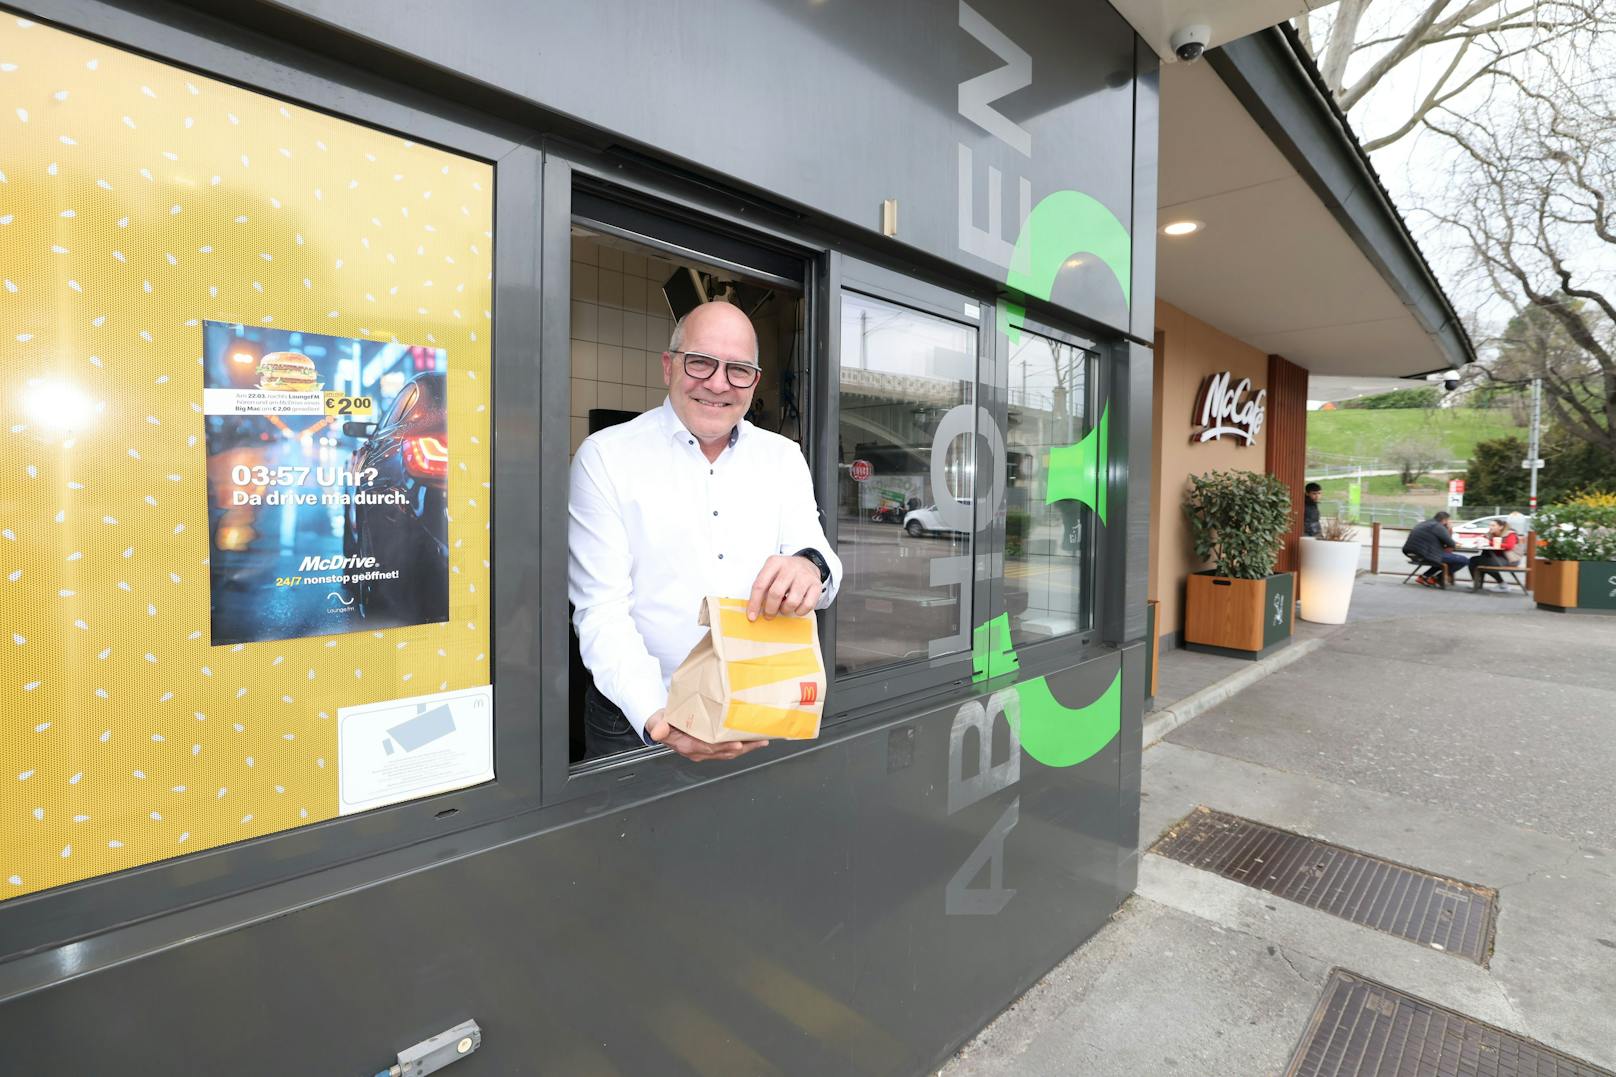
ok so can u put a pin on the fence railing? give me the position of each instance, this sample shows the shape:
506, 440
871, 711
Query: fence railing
1392, 515
1409, 515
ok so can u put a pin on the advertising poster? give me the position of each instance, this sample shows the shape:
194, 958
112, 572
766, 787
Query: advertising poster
328, 469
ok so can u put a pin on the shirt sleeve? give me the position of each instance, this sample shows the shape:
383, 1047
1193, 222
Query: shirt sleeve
800, 526
600, 586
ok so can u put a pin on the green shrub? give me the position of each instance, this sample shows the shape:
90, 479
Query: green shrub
1577, 532
1495, 475
1016, 525
1238, 520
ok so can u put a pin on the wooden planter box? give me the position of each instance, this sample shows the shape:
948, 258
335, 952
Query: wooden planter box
1238, 618
1575, 586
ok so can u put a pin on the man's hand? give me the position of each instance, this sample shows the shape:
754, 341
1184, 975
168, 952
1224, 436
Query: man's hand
785, 585
658, 729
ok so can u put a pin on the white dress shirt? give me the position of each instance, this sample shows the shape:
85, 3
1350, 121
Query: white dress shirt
654, 528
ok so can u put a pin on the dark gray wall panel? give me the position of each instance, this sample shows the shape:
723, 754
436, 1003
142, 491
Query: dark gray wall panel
790, 919
1146, 157
832, 107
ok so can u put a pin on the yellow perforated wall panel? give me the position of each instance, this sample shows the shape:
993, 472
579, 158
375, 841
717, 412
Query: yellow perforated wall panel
136, 201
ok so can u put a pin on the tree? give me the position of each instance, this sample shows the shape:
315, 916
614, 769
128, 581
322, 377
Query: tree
1519, 97
1414, 456
1495, 475
1535, 200
1473, 46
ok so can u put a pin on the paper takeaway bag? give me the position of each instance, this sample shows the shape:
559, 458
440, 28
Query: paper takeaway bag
748, 680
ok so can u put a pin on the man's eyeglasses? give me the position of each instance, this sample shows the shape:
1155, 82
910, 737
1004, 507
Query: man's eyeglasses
701, 367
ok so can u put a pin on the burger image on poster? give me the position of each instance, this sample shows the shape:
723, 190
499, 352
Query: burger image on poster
288, 372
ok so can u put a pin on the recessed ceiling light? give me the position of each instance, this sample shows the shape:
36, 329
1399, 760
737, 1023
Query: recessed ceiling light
1183, 228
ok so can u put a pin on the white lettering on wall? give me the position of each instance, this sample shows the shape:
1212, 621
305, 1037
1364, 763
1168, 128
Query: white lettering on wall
1226, 411
976, 97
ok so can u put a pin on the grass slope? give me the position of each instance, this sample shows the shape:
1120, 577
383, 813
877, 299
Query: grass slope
1369, 434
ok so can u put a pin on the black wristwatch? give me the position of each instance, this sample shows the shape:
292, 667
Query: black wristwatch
818, 561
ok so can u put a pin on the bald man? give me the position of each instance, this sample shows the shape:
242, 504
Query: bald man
685, 501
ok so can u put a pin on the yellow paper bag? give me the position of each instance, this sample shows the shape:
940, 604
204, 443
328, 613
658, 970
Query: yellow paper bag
749, 680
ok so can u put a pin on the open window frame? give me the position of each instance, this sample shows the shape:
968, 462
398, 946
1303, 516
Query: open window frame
625, 198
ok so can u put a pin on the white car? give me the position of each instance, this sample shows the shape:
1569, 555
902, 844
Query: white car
1473, 531
928, 521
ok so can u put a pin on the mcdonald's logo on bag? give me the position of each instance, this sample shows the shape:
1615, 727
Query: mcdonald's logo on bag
810, 693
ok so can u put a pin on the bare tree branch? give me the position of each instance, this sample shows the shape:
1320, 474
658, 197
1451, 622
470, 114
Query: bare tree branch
1338, 49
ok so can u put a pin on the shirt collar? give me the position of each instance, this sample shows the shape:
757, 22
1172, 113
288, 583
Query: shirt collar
676, 429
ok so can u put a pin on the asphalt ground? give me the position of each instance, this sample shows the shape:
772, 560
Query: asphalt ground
1466, 735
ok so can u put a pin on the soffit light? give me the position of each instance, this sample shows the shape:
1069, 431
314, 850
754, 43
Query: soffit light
1183, 228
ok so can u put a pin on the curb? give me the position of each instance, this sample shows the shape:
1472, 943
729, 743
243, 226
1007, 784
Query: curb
1163, 722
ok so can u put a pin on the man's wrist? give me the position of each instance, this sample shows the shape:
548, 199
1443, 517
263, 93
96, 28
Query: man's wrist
815, 558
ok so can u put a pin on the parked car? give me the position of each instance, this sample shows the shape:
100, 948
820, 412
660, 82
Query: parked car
409, 450
929, 521
1472, 531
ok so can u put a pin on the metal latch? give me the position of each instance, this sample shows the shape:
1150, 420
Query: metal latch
431, 1055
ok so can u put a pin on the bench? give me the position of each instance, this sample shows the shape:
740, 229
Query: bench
1518, 571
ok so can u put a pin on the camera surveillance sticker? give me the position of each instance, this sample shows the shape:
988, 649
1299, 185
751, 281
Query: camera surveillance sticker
407, 748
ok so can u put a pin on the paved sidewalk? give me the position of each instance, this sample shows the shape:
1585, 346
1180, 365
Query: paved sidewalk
1467, 735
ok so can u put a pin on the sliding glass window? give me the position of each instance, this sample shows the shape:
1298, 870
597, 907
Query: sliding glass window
1052, 471
906, 474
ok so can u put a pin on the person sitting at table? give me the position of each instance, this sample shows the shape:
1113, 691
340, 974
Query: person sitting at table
1504, 549
1432, 542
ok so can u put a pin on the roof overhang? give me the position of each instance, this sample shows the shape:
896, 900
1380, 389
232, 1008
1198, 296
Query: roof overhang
1155, 21
1302, 254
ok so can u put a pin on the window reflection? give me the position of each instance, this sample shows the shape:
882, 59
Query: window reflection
904, 532
1045, 546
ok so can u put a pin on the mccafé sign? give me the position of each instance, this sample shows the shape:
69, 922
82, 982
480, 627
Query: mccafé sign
1235, 412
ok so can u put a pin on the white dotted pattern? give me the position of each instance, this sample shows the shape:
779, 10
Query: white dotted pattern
137, 201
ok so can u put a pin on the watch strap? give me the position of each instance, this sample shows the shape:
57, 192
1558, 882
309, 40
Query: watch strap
818, 560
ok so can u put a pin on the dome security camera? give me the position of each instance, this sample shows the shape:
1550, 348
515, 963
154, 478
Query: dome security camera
1190, 41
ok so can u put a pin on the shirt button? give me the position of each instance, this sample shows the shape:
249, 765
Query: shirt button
720, 557
715, 512
692, 441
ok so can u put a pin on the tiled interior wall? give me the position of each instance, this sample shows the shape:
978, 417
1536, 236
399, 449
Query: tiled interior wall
620, 324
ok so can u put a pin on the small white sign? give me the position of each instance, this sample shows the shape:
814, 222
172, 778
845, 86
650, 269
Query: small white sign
1455, 501
1532, 464
261, 402
404, 749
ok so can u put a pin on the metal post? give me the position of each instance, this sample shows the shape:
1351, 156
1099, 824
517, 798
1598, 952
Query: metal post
1374, 548
1531, 456
1531, 555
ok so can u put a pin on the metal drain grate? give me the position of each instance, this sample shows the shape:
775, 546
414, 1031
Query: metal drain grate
1441, 913
1367, 1029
